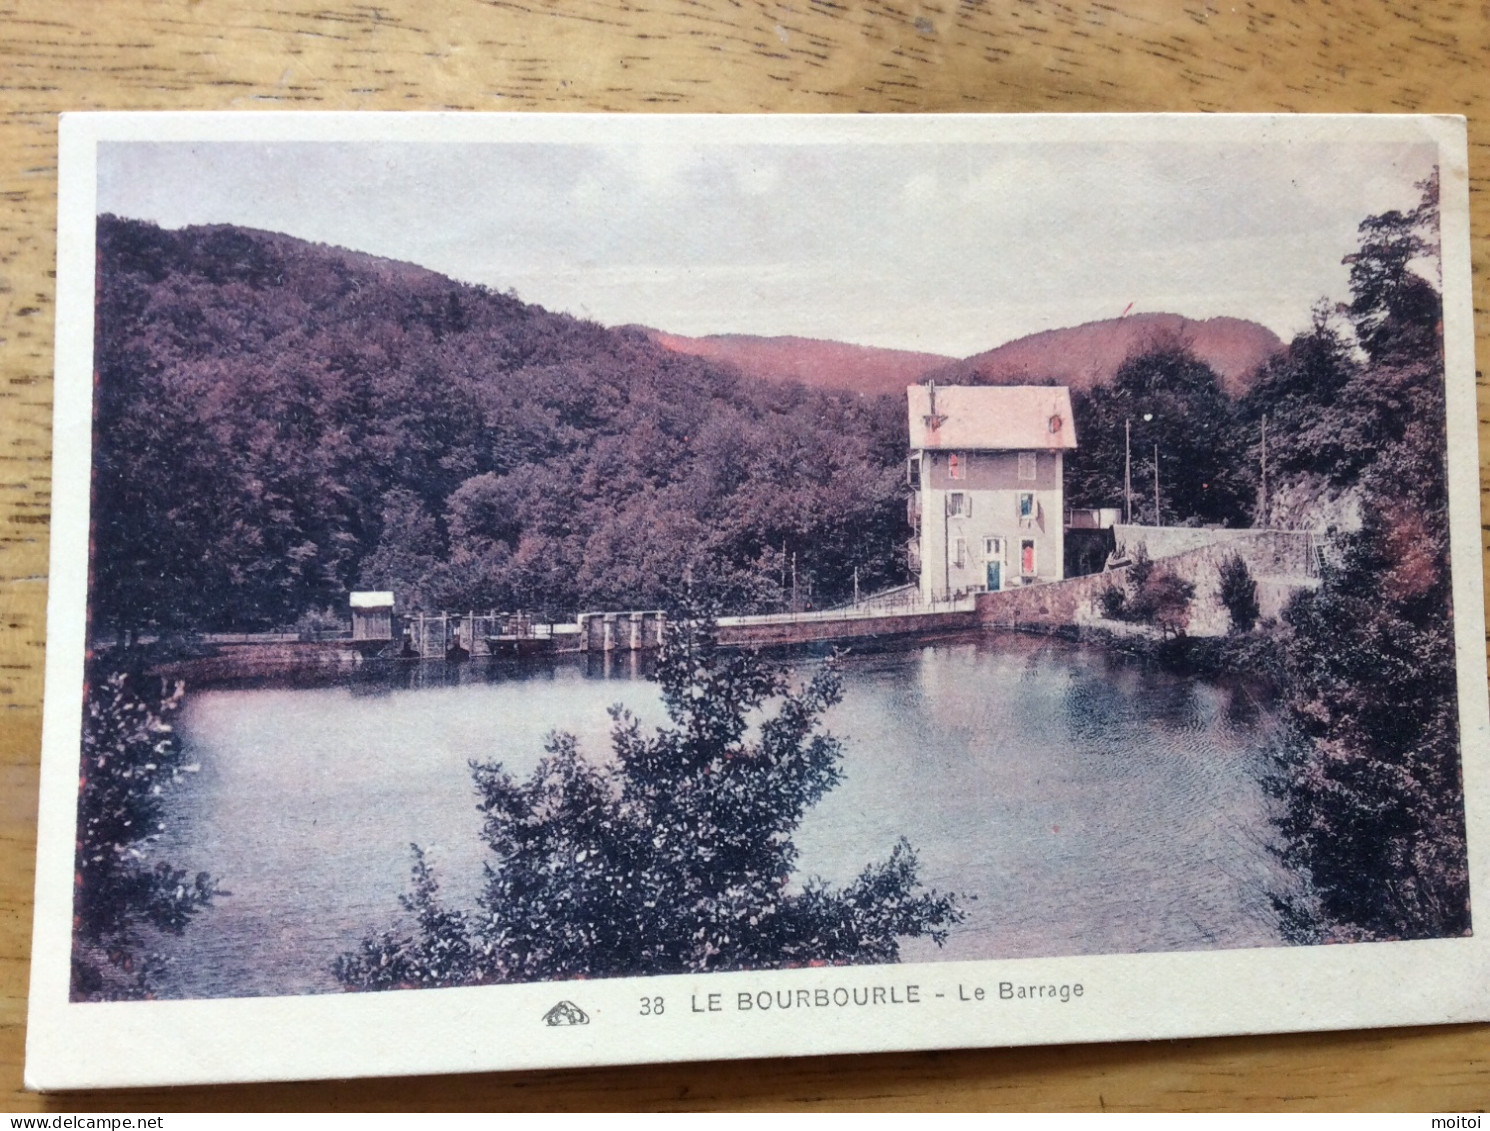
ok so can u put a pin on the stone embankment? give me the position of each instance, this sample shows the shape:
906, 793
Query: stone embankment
896, 613
225, 662
1281, 562
765, 632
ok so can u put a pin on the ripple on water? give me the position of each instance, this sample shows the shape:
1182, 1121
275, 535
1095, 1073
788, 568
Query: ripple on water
1079, 803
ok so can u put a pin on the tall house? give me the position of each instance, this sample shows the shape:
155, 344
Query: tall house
987, 503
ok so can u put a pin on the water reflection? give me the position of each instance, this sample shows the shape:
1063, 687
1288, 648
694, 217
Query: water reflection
1080, 803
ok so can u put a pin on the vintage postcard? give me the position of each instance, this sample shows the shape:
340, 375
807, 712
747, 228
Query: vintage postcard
557, 590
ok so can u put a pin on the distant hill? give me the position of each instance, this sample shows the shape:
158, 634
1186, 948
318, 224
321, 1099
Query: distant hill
1078, 356
1089, 354
813, 362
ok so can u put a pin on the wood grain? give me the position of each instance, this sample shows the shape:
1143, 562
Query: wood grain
689, 55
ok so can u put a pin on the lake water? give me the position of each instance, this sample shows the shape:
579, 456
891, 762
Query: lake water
1078, 802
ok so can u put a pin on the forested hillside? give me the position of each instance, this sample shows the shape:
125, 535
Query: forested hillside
1086, 356
280, 422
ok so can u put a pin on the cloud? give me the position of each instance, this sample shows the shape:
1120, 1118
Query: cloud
948, 247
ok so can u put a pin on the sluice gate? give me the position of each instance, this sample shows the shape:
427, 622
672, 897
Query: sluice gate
621, 632
463, 636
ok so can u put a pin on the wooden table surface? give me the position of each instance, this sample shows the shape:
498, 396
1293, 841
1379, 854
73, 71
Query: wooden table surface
696, 55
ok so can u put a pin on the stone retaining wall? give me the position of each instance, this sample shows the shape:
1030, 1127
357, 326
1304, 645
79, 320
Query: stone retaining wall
1278, 561
1171, 541
238, 661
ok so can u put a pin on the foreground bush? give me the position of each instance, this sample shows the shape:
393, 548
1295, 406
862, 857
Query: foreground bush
678, 857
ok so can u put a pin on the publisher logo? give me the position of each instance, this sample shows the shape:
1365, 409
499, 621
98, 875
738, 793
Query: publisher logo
566, 1013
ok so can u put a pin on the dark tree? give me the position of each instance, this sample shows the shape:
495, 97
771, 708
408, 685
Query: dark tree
130, 756
1239, 594
1319, 419
1351, 387
1396, 308
678, 857
409, 551
1113, 601
1163, 397
1165, 602
1370, 776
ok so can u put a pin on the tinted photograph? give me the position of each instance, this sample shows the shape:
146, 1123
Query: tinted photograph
528, 562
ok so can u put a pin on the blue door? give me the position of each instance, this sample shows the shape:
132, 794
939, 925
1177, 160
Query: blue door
995, 576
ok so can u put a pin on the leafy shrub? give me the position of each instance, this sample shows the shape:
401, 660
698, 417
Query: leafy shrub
1114, 602
1152, 596
316, 624
676, 858
130, 756
1164, 601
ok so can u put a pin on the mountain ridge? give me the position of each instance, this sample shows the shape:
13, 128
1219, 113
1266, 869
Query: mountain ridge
1090, 353
1079, 356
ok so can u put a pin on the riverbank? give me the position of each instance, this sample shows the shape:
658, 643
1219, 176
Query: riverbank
1257, 654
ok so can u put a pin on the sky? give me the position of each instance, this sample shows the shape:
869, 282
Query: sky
948, 248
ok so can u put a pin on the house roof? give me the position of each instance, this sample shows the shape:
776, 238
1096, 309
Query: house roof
372, 599
1000, 419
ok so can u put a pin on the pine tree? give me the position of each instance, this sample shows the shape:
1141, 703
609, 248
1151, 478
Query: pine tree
1239, 594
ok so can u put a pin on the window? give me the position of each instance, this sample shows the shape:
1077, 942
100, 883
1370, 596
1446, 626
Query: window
959, 504
956, 466
960, 553
913, 472
1027, 557
993, 549
1026, 506
1027, 465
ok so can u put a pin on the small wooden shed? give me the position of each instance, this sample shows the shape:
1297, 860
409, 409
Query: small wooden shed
372, 615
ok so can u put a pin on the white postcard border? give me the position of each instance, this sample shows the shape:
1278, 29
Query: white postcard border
500, 1027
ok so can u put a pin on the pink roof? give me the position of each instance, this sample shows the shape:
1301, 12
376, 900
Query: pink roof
1006, 418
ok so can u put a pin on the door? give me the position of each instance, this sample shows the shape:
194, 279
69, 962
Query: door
993, 556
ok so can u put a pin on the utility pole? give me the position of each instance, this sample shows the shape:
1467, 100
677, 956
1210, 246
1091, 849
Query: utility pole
856, 585
1157, 520
794, 582
1263, 516
1128, 470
